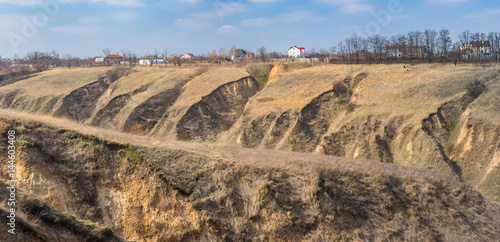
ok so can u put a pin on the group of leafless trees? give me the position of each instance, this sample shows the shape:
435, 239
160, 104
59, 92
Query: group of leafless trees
415, 46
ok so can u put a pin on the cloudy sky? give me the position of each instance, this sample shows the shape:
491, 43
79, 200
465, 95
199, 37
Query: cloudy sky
85, 27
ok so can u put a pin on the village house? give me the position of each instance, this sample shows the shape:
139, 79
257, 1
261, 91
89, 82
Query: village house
151, 61
113, 59
187, 56
297, 52
239, 53
477, 48
99, 60
399, 51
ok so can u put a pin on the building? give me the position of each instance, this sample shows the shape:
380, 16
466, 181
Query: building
19, 62
400, 51
99, 60
154, 61
113, 59
394, 50
187, 56
297, 52
476, 48
239, 53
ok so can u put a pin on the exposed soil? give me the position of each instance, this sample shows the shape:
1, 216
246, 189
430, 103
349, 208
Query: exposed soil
146, 115
106, 114
216, 112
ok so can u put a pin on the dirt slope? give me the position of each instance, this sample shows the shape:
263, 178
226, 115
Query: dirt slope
421, 116
225, 193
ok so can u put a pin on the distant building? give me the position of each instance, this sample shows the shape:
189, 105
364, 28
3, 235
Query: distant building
399, 51
239, 53
99, 60
18, 62
476, 48
187, 56
297, 52
394, 50
154, 62
113, 59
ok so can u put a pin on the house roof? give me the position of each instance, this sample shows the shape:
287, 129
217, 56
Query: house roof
189, 54
480, 43
114, 56
300, 48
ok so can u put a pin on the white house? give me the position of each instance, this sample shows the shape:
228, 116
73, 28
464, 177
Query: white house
99, 60
187, 56
148, 62
297, 52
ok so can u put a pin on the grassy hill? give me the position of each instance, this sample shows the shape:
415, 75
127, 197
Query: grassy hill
420, 116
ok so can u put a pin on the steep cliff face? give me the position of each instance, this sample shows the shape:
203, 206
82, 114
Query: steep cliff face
216, 112
80, 103
160, 194
146, 115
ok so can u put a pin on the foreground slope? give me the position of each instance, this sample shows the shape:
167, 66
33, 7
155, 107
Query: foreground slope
172, 191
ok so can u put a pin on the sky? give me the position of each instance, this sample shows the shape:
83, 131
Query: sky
84, 28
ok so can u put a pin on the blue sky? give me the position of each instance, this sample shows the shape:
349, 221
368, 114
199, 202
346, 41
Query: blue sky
85, 27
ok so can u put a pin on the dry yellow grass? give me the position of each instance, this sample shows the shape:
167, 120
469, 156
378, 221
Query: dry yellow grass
392, 90
295, 89
56, 82
158, 79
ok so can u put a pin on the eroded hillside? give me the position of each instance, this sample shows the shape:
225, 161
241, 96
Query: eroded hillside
204, 192
421, 116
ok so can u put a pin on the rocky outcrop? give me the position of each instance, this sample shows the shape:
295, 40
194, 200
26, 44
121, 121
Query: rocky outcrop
216, 112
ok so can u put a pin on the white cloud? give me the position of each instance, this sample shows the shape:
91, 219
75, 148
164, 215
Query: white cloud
228, 29
77, 29
89, 20
484, 13
192, 23
357, 8
256, 22
123, 17
191, 1
338, 2
128, 3
449, 1
296, 16
263, 1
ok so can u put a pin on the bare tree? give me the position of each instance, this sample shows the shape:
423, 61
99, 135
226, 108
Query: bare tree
323, 54
262, 53
38, 60
444, 41
68, 60
165, 57
106, 52
430, 36
55, 58
378, 43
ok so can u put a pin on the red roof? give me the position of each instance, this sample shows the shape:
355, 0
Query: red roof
300, 48
188, 54
481, 43
114, 56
